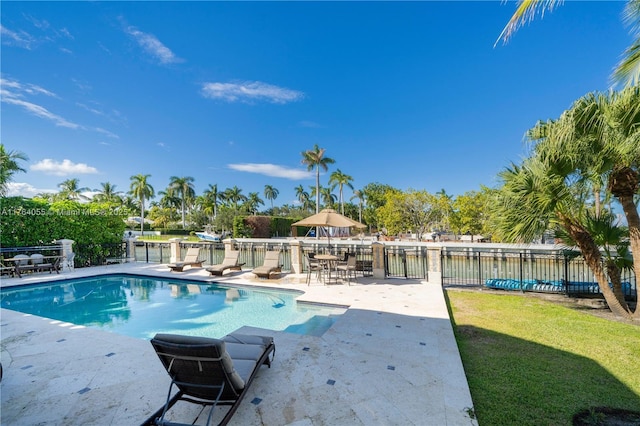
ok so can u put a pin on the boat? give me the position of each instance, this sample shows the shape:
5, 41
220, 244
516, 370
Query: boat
208, 236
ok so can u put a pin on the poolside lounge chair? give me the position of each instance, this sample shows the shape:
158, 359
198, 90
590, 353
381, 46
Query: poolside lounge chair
270, 266
229, 262
210, 372
190, 259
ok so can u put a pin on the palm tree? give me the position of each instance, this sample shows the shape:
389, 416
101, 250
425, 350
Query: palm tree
627, 71
598, 136
108, 194
315, 159
183, 188
234, 195
213, 196
340, 179
603, 144
271, 193
69, 190
359, 194
8, 167
302, 195
328, 198
141, 189
252, 202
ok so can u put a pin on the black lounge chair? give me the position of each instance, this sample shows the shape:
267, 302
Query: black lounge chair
210, 372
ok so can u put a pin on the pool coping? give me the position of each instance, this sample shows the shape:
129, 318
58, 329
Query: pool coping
411, 375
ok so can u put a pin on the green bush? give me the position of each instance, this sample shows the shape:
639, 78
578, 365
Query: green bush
25, 223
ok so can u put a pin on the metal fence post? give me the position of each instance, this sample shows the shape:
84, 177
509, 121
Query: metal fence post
521, 267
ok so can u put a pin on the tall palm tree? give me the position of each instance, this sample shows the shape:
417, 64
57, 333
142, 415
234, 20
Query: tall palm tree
8, 167
359, 194
627, 71
302, 196
183, 188
108, 193
142, 190
315, 158
340, 180
213, 197
70, 190
271, 193
252, 202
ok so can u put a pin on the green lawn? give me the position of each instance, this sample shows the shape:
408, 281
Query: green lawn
534, 362
165, 238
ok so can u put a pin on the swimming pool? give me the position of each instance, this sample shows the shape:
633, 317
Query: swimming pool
141, 306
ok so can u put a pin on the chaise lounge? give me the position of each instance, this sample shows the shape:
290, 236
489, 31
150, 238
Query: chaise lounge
210, 372
270, 266
190, 259
229, 262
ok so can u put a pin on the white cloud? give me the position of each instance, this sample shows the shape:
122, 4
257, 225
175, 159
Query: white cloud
272, 170
13, 92
64, 168
153, 46
23, 189
39, 111
248, 91
107, 133
19, 39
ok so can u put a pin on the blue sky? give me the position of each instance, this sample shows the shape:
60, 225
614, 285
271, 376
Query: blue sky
410, 94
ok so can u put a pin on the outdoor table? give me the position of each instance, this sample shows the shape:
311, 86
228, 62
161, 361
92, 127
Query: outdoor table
327, 262
15, 261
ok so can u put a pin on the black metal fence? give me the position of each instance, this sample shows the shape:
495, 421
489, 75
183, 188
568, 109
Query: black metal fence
559, 272
405, 262
99, 254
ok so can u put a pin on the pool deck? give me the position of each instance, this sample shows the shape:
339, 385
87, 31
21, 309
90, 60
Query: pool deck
391, 359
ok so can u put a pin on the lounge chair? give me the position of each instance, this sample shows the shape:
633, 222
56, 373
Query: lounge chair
270, 266
210, 372
229, 262
190, 259
37, 260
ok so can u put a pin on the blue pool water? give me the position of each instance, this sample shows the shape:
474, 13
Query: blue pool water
140, 306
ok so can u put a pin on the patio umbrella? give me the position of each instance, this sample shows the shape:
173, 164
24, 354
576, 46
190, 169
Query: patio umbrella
329, 218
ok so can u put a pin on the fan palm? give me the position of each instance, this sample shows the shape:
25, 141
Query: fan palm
596, 141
